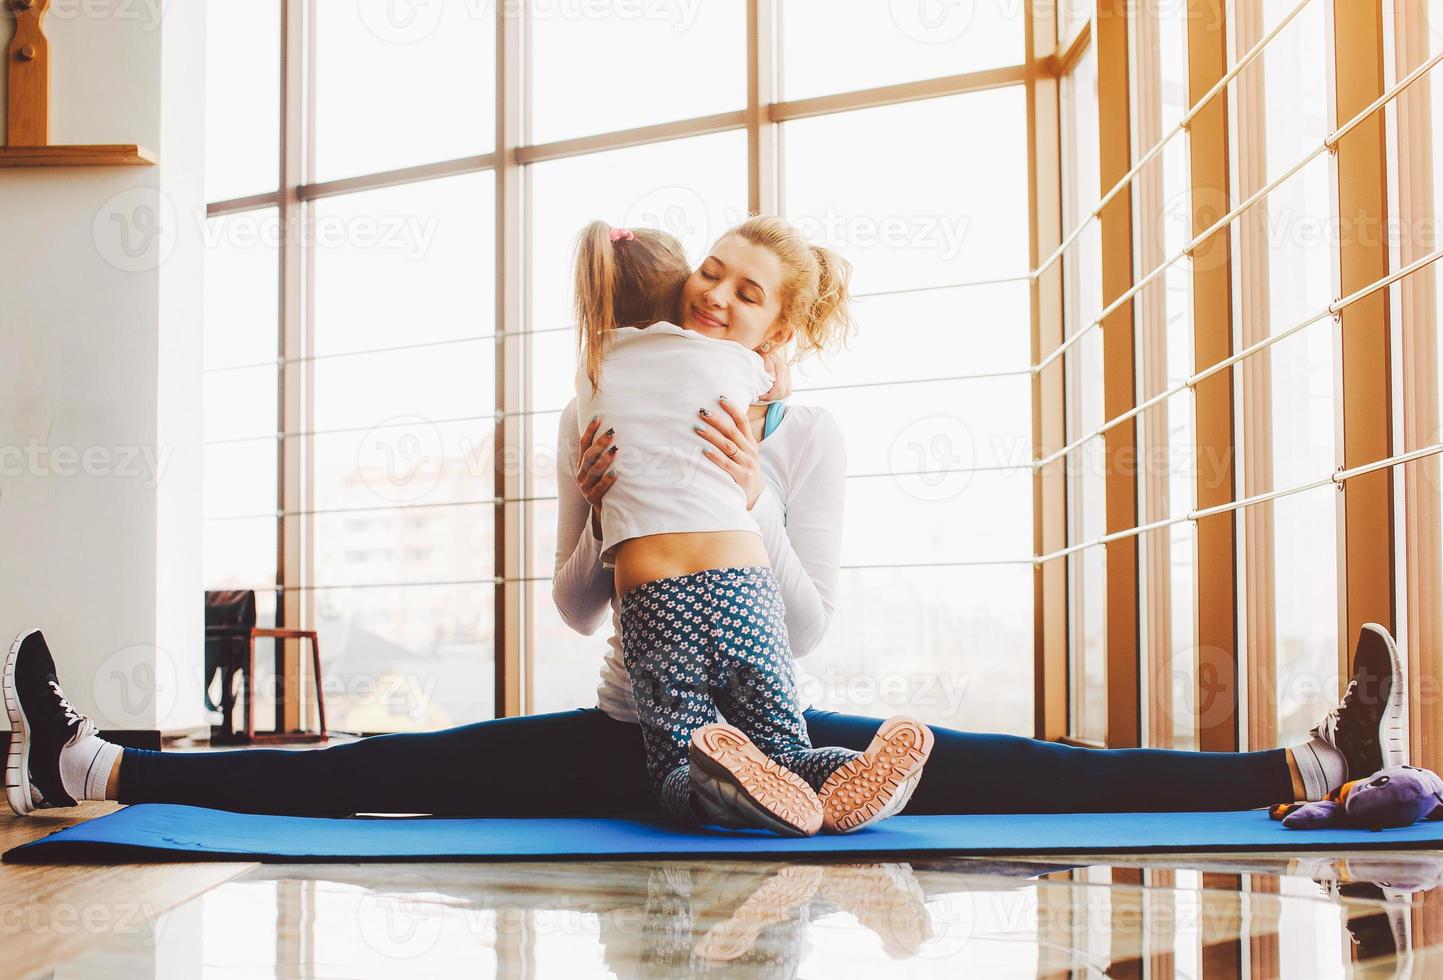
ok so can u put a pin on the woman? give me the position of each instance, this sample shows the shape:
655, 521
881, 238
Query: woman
590, 761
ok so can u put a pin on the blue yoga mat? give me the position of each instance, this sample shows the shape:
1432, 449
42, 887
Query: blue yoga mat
164, 831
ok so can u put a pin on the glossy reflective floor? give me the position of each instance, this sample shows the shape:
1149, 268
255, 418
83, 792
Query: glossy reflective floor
1371, 914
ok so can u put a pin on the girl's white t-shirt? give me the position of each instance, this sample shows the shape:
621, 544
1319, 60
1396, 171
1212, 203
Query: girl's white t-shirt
800, 513
653, 380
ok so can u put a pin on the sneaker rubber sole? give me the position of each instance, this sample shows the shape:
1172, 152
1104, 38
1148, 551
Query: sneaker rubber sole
749, 780
17, 760
1392, 728
877, 783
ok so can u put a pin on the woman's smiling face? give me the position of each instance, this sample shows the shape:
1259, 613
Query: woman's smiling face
735, 294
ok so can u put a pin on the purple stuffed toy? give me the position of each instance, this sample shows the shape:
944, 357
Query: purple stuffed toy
1392, 797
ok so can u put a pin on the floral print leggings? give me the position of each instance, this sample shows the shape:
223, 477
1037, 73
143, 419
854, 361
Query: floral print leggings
715, 640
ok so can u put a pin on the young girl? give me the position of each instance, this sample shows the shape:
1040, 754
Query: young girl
714, 637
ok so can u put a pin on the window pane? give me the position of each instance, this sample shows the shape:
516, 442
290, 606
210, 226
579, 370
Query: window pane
1071, 15
932, 429
566, 665
241, 554
975, 517
958, 216
239, 475
404, 275
542, 467
599, 67
412, 462
240, 403
242, 97
952, 646
240, 479
404, 545
241, 292
990, 322
1186, 697
1083, 381
406, 658
1164, 323
1286, 247
431, 383
413, 264
402, 84
928, 459
903, 41
1420, 318
402, 459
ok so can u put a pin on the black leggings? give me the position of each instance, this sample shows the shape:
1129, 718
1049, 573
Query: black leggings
585, 763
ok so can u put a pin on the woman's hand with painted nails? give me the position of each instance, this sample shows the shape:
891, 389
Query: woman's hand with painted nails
594, 471
781, 372
734, 448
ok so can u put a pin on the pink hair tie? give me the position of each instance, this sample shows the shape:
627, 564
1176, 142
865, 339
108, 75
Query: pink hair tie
619, 233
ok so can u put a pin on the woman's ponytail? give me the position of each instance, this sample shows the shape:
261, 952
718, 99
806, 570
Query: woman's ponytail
816, 292
827, 321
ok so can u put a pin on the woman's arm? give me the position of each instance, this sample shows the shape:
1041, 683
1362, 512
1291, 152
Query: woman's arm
804, 538
581, 586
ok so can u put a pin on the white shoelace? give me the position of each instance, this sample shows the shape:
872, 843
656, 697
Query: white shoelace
1328, 727
86, 726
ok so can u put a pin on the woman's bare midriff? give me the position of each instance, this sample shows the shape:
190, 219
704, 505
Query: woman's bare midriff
654, 556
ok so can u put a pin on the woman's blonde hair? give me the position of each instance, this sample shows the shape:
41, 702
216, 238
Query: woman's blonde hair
815, 293
633, 281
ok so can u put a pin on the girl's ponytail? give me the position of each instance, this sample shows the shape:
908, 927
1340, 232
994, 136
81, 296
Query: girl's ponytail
633, 282
595, 301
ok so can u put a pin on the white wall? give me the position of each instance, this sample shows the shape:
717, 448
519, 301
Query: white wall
100, 369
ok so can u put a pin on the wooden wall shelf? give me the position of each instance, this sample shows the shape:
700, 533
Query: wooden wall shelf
120, 155
27, 141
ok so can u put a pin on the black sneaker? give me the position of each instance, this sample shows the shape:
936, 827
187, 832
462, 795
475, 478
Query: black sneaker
1367, 727
42, 722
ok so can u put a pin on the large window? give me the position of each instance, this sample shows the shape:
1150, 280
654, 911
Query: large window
1225, 385
362, 391
1276, 272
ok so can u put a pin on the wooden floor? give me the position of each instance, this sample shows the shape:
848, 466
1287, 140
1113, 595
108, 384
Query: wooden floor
56, 913
1367, 914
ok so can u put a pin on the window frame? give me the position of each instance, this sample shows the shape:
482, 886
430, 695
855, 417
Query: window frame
761, 119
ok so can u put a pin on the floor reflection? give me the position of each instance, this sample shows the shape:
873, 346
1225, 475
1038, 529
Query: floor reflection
1372, 914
